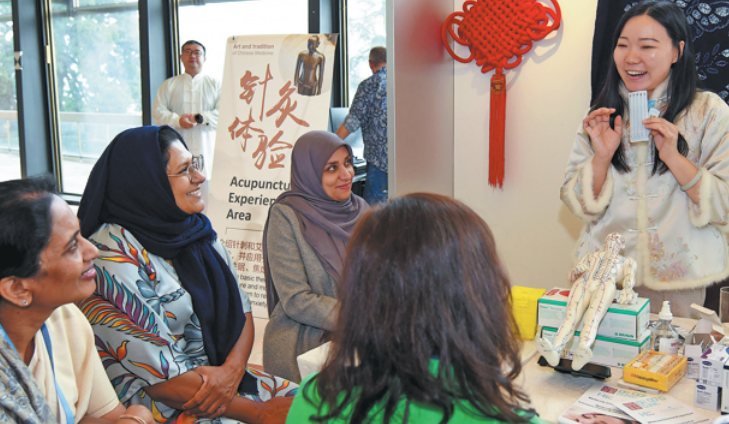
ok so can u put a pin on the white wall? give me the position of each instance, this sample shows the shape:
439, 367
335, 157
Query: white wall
547, 96
420, 101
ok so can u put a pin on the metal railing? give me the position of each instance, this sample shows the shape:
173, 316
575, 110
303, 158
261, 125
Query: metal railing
112, 123
8, 116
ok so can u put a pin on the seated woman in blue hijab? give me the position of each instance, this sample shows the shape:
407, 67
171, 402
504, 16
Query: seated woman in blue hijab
172, 326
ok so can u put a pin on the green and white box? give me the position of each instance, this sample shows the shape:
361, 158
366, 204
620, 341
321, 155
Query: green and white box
621, 321
611, 352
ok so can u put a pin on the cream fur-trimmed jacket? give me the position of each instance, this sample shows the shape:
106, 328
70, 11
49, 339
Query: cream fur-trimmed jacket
678, 245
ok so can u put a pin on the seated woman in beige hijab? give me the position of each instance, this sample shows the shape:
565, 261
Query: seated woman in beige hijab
303, 248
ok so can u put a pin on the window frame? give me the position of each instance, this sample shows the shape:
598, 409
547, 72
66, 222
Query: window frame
38, 123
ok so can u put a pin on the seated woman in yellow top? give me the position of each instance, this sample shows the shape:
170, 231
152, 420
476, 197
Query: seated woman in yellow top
49, 369
423, 329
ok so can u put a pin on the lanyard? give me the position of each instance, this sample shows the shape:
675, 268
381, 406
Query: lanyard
61, 398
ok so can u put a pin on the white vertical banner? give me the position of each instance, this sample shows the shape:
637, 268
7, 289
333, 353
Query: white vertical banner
275, 89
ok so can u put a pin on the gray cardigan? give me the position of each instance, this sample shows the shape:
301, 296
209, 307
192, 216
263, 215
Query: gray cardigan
308, 296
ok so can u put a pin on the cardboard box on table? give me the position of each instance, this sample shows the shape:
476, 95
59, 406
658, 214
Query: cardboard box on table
628, 322
611, 352
711, 365
655, 370
707, 397
725, 391
707, 361
692, 351
700, 340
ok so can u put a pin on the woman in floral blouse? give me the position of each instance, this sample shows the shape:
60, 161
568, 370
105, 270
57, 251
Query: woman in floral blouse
172, 326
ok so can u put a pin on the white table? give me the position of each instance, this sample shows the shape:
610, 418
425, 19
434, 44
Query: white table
552, 392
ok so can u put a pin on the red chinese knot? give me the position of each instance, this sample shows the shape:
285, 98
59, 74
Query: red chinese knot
498, 33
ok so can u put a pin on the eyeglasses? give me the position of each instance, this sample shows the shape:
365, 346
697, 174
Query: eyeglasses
189, 52
197, 164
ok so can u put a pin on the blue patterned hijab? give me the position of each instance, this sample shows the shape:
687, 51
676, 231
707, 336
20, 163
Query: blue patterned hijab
129, 186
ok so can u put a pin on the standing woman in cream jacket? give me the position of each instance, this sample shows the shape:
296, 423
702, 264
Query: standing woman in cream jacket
668, 197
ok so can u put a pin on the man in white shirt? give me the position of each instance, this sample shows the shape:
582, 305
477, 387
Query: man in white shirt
189, 104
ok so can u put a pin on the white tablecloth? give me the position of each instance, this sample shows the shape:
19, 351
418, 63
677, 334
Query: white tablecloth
552, 392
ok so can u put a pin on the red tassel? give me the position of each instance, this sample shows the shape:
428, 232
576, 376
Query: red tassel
497, 125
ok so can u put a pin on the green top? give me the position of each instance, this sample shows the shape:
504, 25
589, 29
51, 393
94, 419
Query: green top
420, 413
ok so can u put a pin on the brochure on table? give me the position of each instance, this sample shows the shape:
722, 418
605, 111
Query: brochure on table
662, 409
630, 405
597, 401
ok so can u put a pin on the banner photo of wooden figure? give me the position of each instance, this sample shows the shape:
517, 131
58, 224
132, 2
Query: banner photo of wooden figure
595, 279
275, 89
498, 33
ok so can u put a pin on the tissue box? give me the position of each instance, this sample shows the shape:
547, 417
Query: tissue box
627, 322
606, 351
524, 306
313, 360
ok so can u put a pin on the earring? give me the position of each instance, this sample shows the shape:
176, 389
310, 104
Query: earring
25, 302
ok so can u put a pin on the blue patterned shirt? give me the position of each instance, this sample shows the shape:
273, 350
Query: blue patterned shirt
369, 111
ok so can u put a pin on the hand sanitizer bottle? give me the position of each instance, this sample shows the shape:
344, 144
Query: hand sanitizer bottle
663, 337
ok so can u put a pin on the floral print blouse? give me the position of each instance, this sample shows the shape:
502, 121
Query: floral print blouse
144, 323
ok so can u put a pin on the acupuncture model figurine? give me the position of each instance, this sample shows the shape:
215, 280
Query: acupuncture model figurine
595, 280
309, 75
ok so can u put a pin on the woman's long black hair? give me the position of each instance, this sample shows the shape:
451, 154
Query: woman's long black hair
421, 281
683, 78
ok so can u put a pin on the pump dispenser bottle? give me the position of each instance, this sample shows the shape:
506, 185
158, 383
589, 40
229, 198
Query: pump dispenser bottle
663, 337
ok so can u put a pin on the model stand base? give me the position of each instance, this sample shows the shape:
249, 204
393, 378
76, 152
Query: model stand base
590, 370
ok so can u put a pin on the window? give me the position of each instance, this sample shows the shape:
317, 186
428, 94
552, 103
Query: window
97, 80
9, 148
213, 23
365, 29
94, 70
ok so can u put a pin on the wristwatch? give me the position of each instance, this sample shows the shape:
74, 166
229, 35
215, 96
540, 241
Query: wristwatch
199, 118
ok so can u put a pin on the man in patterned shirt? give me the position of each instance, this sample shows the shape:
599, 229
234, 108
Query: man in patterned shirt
369, 111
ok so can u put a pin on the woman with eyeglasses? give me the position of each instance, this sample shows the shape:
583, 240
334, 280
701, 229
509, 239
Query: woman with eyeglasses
189, 104
172, 326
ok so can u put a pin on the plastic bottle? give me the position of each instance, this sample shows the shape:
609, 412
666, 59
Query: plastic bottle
663, 337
